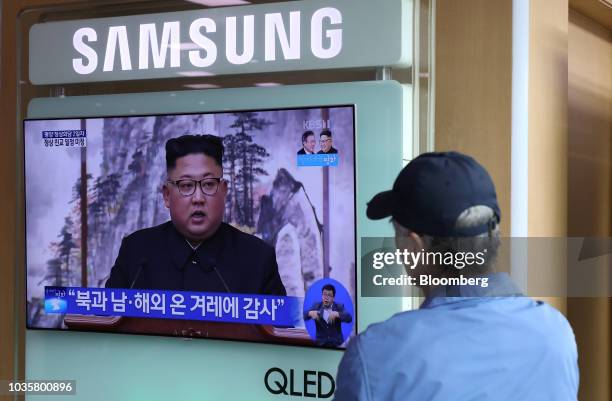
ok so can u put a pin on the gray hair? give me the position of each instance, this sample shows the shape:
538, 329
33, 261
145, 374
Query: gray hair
487, 242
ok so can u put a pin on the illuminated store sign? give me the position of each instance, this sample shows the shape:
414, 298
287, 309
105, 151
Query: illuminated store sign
298, 35
205, 50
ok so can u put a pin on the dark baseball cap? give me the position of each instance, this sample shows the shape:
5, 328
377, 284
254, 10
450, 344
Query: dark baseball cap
432, 191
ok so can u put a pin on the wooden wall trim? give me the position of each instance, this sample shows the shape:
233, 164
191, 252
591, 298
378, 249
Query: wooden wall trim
590, 188
12, 297
7, 196
474, 86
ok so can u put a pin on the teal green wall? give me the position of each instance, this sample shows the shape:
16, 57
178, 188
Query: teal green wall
133, 367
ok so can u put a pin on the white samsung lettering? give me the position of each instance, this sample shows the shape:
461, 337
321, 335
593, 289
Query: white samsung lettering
195, 34
290, 46
334, 35
117, 34
280, 31
170, 39
248, 42
80, 46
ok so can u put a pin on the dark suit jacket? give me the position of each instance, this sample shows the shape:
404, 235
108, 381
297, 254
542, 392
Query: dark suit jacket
329, 335
303, 152
166, 262
331, 150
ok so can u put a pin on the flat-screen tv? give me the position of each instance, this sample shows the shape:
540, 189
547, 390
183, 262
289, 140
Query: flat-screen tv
236, 225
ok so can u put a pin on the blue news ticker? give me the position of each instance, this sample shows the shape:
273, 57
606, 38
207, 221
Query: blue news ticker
318, 160
183, 305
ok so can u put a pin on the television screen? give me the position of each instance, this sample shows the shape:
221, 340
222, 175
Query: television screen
231, 225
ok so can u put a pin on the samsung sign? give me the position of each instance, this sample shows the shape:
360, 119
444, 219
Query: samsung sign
299, 35
205, 51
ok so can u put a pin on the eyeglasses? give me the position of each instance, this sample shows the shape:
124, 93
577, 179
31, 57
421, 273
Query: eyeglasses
187, 187
325, 140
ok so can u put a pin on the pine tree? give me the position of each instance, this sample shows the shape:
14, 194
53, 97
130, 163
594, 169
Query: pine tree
65, 247
54, 272
251, 156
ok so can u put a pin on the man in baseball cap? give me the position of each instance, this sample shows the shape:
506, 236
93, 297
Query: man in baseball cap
465, 342
432, 191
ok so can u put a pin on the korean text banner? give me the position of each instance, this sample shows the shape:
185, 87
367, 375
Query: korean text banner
183, 305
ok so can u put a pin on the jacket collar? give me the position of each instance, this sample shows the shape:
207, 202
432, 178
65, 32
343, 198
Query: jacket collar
498, 285
182, 253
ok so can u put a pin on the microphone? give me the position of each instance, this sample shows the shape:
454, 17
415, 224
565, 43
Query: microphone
212, 262
211, 265
141, 264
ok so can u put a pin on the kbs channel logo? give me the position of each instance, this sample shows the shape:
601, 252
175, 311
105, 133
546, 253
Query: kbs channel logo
309, 383
316, 124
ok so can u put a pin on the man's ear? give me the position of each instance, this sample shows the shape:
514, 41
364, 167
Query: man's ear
166, 193
418, 240
223, 187
406, 239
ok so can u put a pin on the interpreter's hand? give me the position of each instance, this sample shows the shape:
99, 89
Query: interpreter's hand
333, 315
313, 314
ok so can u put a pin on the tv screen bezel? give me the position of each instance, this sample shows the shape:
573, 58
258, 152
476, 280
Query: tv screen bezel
226, 111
